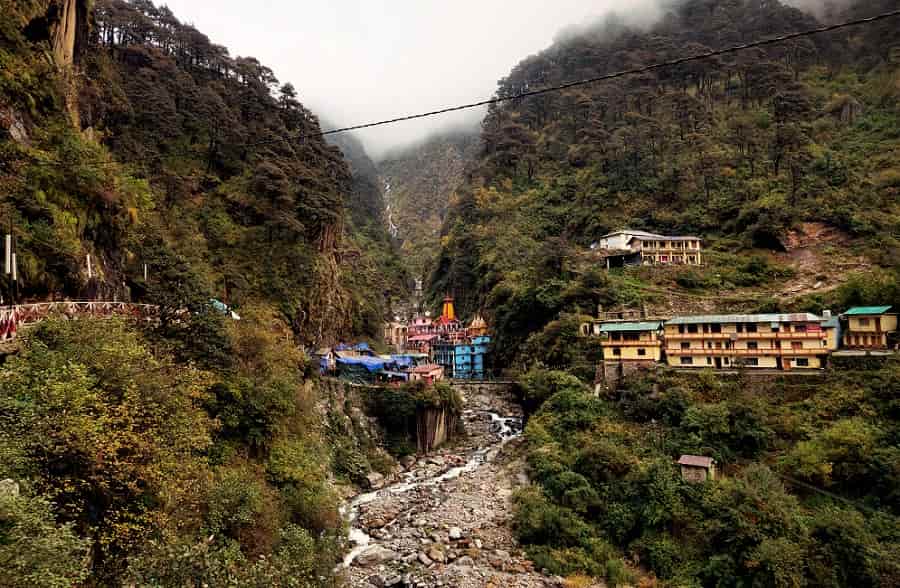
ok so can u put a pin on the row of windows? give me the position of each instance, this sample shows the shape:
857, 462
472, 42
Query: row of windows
618, 352
751, 345
747, 361
740, 327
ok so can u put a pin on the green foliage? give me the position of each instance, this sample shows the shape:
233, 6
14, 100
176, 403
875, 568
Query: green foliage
605, 471
34, 549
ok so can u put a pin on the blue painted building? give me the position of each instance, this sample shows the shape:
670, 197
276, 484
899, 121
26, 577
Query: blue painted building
463, 360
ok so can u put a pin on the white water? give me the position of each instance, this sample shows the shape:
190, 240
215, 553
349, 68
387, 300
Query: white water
506, 429
392, 228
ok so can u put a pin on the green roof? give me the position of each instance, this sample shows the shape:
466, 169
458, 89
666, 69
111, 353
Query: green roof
867, 310
629, 327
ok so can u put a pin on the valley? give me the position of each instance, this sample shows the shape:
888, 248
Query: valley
602, 329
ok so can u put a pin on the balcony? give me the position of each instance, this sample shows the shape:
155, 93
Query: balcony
747, 352
810, 335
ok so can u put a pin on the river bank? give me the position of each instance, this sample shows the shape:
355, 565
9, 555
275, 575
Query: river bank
446, 520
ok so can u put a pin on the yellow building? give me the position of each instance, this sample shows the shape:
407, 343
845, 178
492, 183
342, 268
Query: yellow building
800, 341
869, 327
653, 249
631, 341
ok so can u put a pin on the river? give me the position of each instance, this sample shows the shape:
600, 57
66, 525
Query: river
445, 521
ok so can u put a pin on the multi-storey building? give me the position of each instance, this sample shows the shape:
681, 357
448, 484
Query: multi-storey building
652, 249
775, 341
632, 341
627, 347
870, 328
462, 360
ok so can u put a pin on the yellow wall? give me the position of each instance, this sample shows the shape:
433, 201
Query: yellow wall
628, 350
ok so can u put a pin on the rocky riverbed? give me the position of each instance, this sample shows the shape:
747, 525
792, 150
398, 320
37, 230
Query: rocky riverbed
446, 520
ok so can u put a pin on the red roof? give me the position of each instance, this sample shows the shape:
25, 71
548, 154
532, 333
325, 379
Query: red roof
422, 338
426, 369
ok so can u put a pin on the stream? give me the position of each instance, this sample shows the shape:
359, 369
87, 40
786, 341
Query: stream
501, 430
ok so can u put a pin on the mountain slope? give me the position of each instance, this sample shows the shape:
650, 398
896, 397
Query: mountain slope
738, 150
192, 450
420, 182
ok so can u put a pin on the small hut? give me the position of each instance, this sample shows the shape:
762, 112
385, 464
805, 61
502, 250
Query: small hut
696, 468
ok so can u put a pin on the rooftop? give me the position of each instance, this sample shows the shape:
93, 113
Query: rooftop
630, 327
426, 369
802, 317
863, 310
696, 461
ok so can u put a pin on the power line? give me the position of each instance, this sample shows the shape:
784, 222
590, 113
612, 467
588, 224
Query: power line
549, 89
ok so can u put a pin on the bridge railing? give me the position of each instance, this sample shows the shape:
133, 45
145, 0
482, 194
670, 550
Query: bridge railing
12, 318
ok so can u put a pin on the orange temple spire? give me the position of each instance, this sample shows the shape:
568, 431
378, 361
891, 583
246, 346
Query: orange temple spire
449, 312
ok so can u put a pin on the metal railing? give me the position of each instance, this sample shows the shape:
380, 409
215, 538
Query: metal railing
13, 318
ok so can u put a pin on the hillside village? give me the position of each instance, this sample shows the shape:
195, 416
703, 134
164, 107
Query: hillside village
598, 294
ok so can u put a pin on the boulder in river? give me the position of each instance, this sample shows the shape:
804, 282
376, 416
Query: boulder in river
375, 480
375, 555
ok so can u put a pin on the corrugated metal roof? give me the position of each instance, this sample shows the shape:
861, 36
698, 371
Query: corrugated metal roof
637, 326
630, 232
666, 238
832, 323
867, 310
802, 317
696, 461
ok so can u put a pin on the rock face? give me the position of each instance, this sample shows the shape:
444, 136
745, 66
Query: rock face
434, 427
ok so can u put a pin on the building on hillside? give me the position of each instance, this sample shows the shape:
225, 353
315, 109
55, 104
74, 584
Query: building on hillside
870, 328
697, 469
421, 343
396, 335
428, 373
774, 341
643, 248
463, 359
627, 347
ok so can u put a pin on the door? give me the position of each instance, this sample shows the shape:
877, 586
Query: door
779, 363
718, 363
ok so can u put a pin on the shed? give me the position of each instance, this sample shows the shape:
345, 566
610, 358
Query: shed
697, 468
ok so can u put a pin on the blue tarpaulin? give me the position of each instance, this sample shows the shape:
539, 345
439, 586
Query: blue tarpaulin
362, 347
403, 361
372, 364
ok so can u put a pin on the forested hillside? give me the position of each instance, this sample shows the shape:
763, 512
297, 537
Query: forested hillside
743, 151
420, 182
192, 450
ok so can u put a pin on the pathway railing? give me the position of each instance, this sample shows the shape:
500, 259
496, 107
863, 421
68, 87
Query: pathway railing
13, 318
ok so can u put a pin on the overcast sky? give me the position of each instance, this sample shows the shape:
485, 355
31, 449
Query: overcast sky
355, 61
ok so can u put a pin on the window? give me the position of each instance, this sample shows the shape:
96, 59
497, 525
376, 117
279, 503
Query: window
681, 329
617, 351
718, 344
685, 345
751, 328
708, 361
692, 328
616, 336
642, 352
752, 345
631, 337
740, 328
796, 345
687, 361
716, 328
799, 328
801, 362
727, 361
706, 328
752, 361
709, 344
863, 322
